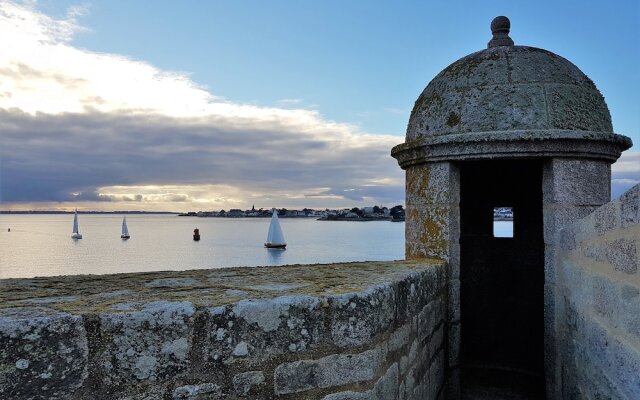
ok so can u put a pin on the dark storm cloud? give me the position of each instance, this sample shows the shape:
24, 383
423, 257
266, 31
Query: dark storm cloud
384, 194
69, 156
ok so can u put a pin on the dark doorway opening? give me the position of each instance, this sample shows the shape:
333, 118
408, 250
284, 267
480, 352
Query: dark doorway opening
502, 278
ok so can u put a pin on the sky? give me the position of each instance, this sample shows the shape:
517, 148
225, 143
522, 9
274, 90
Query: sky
191, 105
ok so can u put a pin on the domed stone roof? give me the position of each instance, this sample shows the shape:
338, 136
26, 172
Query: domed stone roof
509, 101
509, 88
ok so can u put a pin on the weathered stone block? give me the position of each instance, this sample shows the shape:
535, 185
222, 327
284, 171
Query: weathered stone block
400, 337
413, 293
430, 230
333, 370
454, 344
577, 281
550, 261
615, 357
426, 322
414, 384
440, 310
504, 107
567, 238
453, 308
626, 363
260, 329
454, 261
356, 318
630, 311
386, 388
434, 112
436, 342
584, 229
605, 297
596, 251
623, 255
577, 182
202, 391
540, 67
409, 384
43, 353
557, 217
433, 184
551, 331
406, 361
575, 107
152, 393
583, 377
243, 382
630, 207
436, 376
607, 218
145, 345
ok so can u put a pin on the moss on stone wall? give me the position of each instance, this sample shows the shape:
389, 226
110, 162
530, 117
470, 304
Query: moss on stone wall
453, 119
85, 294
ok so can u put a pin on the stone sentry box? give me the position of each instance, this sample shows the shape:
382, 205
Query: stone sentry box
511, 126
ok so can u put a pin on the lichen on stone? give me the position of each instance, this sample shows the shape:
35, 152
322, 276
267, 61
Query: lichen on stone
453, 119
124, 293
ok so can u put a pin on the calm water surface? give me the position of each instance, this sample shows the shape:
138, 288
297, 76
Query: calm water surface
40, 245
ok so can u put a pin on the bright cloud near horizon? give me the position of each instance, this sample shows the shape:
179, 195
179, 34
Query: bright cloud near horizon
93, 130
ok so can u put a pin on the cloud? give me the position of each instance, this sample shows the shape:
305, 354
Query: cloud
625, 173
106, 131
50, 157
80, 126
629, 162
288, 102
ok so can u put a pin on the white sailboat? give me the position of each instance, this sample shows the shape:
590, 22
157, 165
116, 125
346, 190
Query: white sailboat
76, 233
275, 238
125, 230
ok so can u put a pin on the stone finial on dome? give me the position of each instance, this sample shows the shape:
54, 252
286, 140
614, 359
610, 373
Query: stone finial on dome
500, 29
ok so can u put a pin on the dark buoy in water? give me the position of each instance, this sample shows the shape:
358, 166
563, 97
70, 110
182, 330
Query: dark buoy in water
196, 234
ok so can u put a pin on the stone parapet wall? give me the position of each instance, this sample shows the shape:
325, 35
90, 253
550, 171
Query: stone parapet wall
339, 331
598, 267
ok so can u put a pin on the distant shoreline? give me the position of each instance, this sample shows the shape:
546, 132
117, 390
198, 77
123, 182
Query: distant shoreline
359, 219
87, 212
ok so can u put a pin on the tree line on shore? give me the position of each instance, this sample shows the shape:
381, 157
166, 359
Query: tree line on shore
373, 212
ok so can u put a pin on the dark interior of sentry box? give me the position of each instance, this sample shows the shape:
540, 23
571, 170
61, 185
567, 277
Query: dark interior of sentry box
502, 279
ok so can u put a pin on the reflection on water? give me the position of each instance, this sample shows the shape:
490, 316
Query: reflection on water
275, 256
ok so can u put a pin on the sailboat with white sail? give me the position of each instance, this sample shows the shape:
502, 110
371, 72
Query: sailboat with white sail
125, 229
275, 238
76, 233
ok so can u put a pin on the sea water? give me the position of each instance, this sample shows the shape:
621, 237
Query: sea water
41, 245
